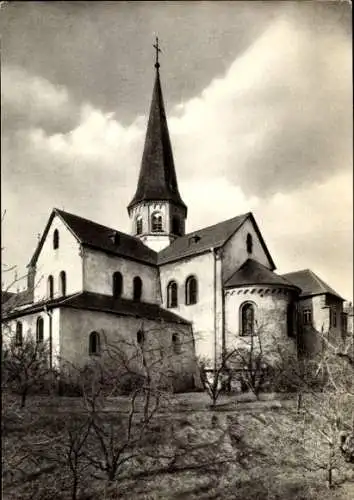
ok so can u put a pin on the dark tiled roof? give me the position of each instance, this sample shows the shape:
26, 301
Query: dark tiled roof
101, 237
13, 300
5, 296
310, 283
106, 303
204, 239
157, 179
254, 273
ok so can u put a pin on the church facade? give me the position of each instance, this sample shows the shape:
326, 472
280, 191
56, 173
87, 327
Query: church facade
202, 292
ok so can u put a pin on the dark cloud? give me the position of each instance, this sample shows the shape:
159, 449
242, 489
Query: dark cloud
102, 51
280, 118
30, 101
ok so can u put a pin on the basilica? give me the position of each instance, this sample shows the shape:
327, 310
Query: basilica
213, 287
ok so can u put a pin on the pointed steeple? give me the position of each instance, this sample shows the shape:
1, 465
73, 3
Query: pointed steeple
157, 179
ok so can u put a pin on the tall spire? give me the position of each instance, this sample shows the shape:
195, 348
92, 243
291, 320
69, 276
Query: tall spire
157, 178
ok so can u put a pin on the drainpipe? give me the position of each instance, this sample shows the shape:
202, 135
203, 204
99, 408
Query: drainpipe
50, 316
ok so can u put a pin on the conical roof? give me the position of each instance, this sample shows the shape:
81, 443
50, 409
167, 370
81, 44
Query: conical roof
157, 179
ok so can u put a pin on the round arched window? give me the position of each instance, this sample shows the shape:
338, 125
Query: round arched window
191, 290
40, 330
172, 294
137, 288
56, 239
139, 224
156, 222
247, 319
94, 344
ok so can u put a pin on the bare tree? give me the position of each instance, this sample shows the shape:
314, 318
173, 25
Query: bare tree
325, 386
25, 365
246, 358
142, 370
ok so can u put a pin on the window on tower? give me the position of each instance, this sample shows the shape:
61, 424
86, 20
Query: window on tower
139, 224
176, 226
156, 222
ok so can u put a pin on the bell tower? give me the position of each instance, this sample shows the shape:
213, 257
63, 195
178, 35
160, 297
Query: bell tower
157, 211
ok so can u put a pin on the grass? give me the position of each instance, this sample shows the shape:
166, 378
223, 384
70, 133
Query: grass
241, 450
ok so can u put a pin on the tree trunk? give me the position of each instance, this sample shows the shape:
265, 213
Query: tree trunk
330, 466
74, 488
24, 397
147, 404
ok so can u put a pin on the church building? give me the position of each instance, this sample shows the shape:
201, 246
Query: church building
202, 292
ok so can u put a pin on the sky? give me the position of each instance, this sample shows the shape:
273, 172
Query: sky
259, 103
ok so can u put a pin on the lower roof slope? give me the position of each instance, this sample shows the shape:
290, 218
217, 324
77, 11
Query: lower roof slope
310, 283
13, 300
254, 273
104, 303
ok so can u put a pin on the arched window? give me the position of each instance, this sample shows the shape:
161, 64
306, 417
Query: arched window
176, 343
156, 222
139, 224
19, 336
247, 319
56, 239
249, 243
40, 330
191, 290
50, 287
94, 344
172, 294
137, 288
140, 337
62, 283
117, 284
176, 226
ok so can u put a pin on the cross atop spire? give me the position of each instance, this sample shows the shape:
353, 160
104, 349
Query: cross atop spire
157, 48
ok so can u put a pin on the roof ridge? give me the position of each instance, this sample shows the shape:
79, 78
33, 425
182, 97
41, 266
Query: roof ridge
318, 279
296, 272
87, 220
216, 224
99, 224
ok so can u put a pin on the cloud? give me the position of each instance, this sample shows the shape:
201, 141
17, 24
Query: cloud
90, 170
280, 118
31, 101
313, 228
310, 227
